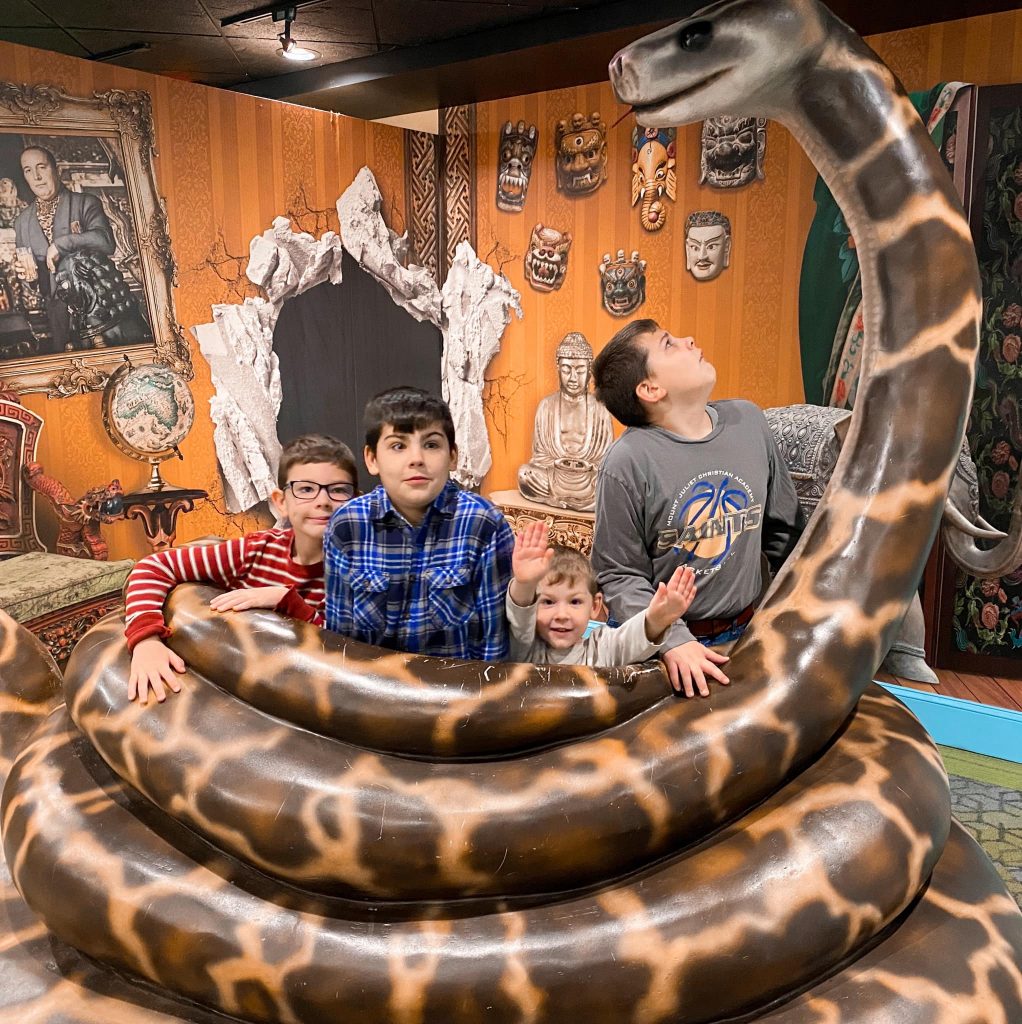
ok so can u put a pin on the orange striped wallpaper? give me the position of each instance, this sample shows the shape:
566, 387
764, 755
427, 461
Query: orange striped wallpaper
227, 165
747, 319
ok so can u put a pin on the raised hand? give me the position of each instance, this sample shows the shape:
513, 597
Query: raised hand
530, 561
670, 602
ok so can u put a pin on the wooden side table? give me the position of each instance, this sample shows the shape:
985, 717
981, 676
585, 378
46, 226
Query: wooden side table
159, 510
572, 529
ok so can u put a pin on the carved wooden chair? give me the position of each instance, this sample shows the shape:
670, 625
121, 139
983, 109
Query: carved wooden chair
58, 596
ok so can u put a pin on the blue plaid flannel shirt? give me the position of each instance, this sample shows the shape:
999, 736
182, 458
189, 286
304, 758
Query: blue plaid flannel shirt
436, 589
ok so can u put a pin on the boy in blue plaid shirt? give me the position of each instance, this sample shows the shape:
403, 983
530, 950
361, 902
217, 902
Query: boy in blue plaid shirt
418, 564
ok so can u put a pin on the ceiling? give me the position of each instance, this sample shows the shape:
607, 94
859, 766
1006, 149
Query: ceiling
381, 58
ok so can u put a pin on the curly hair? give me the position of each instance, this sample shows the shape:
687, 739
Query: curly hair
407, 409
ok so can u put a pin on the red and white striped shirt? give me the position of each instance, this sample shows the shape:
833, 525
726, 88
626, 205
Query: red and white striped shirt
260, 559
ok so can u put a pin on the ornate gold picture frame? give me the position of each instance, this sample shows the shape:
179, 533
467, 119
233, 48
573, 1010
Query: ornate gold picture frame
86, 267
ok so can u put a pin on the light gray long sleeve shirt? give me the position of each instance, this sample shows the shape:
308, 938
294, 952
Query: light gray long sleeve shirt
713, 504
606, 646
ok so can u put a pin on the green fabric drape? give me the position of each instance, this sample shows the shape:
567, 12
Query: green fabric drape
830, 274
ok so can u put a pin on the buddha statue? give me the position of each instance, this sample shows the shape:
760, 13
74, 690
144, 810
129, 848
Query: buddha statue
571, 436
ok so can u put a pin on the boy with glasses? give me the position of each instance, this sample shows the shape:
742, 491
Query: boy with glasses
280, 569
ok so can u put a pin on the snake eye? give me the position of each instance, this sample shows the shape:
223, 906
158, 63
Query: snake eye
696, 36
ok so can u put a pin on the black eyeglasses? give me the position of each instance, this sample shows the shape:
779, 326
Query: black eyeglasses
306, 490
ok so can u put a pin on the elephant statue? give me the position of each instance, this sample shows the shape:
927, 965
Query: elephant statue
810, 437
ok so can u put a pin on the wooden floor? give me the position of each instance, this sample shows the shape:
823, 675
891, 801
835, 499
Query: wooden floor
999, 693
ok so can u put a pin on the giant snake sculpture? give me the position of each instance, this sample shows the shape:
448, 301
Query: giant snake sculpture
315, 830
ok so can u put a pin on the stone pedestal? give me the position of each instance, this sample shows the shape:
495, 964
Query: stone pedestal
572, 529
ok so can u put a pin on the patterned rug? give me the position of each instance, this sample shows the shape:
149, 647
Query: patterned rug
986, 797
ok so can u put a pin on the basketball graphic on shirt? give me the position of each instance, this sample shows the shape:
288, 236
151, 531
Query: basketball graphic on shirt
708, 516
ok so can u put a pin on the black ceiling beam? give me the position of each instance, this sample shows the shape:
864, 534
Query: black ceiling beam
267, 11
540, 54
402, 80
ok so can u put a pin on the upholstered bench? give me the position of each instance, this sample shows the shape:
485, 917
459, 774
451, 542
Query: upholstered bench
59, 598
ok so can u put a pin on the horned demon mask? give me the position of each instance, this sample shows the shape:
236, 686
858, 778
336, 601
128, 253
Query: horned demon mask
546, 261
517, 150
653, 173
581, 154
732, 151
623, 283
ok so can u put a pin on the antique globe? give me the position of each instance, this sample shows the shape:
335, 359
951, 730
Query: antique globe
147, 412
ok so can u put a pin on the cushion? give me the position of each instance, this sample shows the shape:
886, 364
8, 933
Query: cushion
39, 582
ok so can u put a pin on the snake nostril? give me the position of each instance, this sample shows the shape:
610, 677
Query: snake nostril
617, 65
696, 36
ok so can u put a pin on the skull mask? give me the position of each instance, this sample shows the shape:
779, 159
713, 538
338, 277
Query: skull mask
581, 154
653, 173
546, 262
733, 149
623, 283
517, 149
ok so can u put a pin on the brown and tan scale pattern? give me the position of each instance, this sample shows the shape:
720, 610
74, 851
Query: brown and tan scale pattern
315, 831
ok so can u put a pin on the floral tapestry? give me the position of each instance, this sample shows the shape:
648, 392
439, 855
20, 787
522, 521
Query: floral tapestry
988, 613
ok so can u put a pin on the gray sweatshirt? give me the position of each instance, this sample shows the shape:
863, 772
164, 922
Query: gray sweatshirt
714, 504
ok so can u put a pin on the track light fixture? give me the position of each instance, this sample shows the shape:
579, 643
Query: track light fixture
286, 13
288, 47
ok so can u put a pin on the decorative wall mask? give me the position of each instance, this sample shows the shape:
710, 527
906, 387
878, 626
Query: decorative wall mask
733, 150
707, 244
546, 261
623, 283
572, 434
581, 154
514, 165
653, 173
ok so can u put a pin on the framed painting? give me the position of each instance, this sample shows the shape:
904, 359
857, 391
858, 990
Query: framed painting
86, 267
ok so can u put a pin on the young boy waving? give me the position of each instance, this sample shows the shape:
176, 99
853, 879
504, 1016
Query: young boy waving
553, 596
418, 564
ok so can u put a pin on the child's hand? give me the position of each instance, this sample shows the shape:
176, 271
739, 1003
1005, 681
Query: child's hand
153, 664
257, 597
691, 666
532, 555
670, 602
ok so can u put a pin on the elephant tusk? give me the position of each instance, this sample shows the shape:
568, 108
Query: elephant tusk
980, 521
981, 530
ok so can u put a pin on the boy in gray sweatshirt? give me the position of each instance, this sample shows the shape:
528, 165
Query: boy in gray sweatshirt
689, 483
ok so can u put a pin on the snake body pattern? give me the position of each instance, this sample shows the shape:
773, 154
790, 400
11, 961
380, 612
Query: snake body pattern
317, 831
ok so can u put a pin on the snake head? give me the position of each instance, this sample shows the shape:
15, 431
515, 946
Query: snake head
736, 57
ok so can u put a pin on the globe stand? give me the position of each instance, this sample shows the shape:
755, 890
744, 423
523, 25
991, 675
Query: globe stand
157, 398
156, 481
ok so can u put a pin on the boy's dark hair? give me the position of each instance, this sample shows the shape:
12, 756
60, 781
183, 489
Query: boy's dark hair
316, 448
619, 369
569, 565
406, 409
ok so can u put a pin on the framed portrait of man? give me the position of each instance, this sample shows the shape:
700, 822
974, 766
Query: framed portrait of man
86, 266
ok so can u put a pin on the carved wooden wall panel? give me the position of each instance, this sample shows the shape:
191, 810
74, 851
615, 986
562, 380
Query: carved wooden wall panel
423, 199
459, 223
